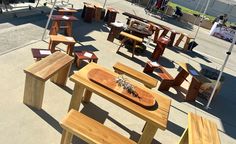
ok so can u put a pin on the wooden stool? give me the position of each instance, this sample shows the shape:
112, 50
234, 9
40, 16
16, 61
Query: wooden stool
186, 44
85, 55
56, 24
89, 130
116, 28
38, 54
88, 12
150, 66
200, 130
162, 42
56, 39
55, 66
98, 12
128, 36
111, 15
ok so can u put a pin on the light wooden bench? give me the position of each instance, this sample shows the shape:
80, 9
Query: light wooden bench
128, 36
147, 80
200, 131
55, 66
167, 80
187, 41
89, 130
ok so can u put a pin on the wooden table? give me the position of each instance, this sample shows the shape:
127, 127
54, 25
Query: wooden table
81, 55
66, 11
155, 119
197, 80
56, 24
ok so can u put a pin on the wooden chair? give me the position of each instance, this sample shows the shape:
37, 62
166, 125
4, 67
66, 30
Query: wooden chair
145, 79
89, 130
55, 66
128, 36
187, 41
200, 131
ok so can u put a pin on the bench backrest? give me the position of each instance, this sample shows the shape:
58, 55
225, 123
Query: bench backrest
48, 66
139, 76
90, 130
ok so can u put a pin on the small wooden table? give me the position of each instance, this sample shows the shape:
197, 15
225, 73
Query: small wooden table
81, 55
197, 80
56, 24
156, 118
38, 54
66, 11
55, 66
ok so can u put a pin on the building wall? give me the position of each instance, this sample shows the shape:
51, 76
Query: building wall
215, 8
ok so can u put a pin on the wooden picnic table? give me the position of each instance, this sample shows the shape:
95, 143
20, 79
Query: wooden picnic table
155, 118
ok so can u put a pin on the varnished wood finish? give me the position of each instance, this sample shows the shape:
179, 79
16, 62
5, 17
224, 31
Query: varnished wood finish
147, 80
98, 12
128, 36
167, 80
89, 130
186, 43
158, 117
162, 42
56, 66
56, 39
200, 131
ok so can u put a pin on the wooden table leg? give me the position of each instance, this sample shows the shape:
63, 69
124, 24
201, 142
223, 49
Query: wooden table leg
193, 90
61, 76
87, 96
179, 79
184, 137
77, 96
134, 48
69, 28
148, 134
33, 92
66, 137
70, 49
186, 43
179, 40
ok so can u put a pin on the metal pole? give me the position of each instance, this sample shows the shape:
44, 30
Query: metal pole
221, 71
49, 17
104, 4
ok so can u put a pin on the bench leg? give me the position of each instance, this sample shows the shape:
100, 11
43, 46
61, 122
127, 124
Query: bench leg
184, 137
61, 76
122, 44
134, 48
148, 134
66, 137
179, 40
77, 96
193, 90
186, 43
165, 85
33, 93
87, 96
179, 79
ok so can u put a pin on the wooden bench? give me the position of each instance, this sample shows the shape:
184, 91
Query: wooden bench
128, 36
55, 66
200, 131
187, 41
147, 80
167, 80
89, 130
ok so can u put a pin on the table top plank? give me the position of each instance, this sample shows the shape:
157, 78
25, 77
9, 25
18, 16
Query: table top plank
46, 67
202, 130
157, 116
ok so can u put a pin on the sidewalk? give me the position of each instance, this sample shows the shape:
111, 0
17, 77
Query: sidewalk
21, 124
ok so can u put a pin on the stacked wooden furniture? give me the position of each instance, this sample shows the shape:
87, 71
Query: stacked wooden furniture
148, 81
187, 41
131, 37
56, 39
55, 66
89, 130
200, 131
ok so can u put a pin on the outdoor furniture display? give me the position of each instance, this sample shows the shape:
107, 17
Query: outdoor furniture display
98, 12
110, 15
187, 41
116, 28
195, 84
89, 130
85, 55
131, 37
155, 118
56, 39
88, 12
66, 11
147, 80
56, 24
200, 130
56, 67
162, 42
38, 54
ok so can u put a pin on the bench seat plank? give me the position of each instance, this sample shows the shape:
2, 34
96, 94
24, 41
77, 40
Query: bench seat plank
147, 80
90, 130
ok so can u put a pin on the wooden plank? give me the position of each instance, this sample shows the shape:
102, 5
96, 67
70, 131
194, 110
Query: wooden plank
147, 80
132, 37
61, 38
157, 116
48, 66
90, 130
